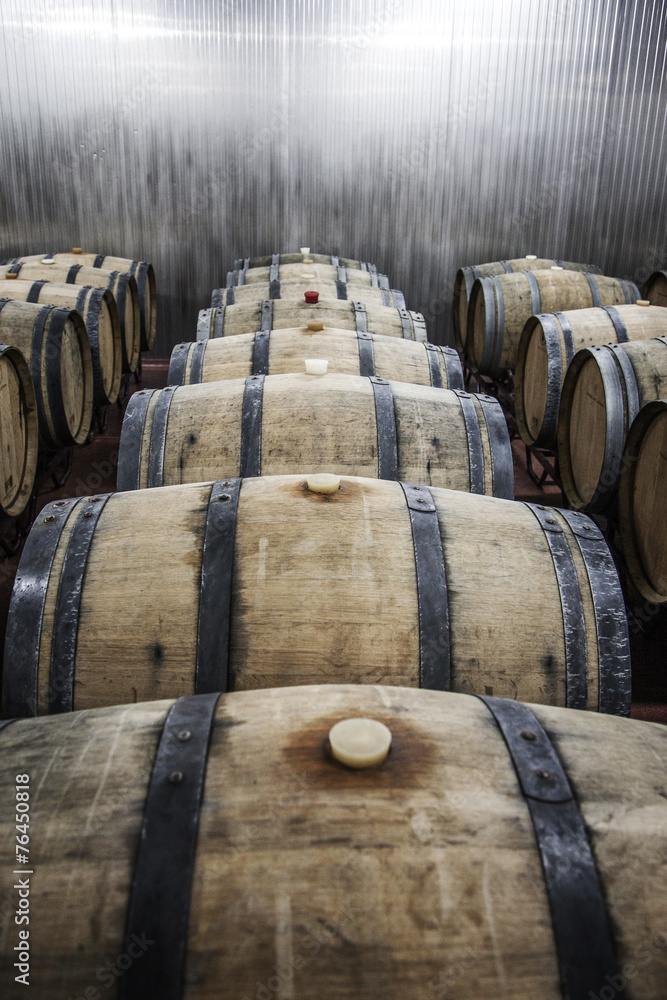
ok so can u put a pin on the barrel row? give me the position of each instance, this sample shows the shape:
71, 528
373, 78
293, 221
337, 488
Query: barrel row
295, 288
292, 871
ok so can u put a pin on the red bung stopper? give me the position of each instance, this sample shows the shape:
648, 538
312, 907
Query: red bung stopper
311, 297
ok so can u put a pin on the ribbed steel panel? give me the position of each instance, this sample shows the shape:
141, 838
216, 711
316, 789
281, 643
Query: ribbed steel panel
421, 135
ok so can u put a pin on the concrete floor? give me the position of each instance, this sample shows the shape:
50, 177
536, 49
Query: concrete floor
94, 471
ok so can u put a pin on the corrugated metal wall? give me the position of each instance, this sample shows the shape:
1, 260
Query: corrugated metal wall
421, 135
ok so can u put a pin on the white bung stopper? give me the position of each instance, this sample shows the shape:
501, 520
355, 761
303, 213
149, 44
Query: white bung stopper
359, 743
643, 302
48, 260
310, 277
304, 249
316, 366
557, 267
530, 256
323, 482
314, 325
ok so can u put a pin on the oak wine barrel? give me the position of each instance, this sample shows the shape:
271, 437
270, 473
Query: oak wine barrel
278, 352
548, 344
298, 876
243, 263
55, 345
19, 434
280, 314
123, 287
604, 390
466, 276
265, 582
97, 308
642, 501
501, 306
141, 270
347, 287
655, 289
276, 274
278, 424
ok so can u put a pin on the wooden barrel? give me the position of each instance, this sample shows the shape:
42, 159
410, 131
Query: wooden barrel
278, 352
262, 582
548, 344
277, 424
123, 287
97, 308
501, 306
655, 289
295, 288
466, 276
604, 389
277, 274
280, 314
297, 876
642, 501
19, 434
141, 270
243, 263
55, 344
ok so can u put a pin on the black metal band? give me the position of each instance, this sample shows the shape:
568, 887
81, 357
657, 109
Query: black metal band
474, 437
507, 267
452, 367
218, 324
334, 261
535, 298
418, 327
217, 298
385, 418
629, 384
260, 352
26, 610
275, 260
633, 292
614, 426
131, 437
568, 339
178, 363
215, 594
491, 330
374, 279
251, 427
35, 289
500, 322
554, 378
95, 298
36, 348
228, 294
266, 321
197, 362
72, 273
406, 324
502, 465
581, 926
16, 267
366, 354
593, 285
398, 298
360, 317
614, 668
120, 294
159, 906
68, 604
341, 283
99, 260
619, 326
54, 383
81, 297
434, 639
231, 279
159, 435
274, 281
386, 297
574, 623
433, 355
240, 276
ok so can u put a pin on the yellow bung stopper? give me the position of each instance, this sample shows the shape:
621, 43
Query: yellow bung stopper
10, 275
314, 325
643, 302
316, 366
359, 743
76, 249
307, 260
323, 482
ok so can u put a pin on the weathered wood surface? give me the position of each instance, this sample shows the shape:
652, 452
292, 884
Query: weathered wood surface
287, 314
603, 390
303, 258
19, 433
97, 308
543, 348
642, 501
295, 288
323, 590
401, 360
418, 878
61, 368
492, 342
